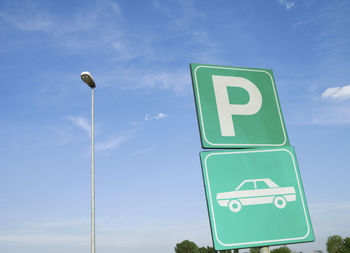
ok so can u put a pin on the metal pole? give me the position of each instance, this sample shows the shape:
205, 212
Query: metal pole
92, 176
264, 250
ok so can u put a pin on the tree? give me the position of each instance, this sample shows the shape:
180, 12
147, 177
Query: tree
211, 250
203, 250
254, 250
346, 245
186, 247
335, 244
283, 249
207, 250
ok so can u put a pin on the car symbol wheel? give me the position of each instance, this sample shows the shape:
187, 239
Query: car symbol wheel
280, 202
235, 206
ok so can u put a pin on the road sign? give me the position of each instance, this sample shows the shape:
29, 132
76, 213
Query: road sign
237, 107
255, 198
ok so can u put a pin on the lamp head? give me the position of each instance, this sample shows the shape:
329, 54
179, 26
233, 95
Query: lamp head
88, 79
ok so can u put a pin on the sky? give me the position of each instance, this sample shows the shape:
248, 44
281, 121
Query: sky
149, 188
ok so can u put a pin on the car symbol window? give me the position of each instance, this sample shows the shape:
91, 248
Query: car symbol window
261, 185
247, 186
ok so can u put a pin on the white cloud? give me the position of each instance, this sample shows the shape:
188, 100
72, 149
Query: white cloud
39, 239
161, 116
297, 24
178, 82
329, 207
71, 29
115, 8
288, 4
324, 109
111, 143
322, 114
145, 150
337, 93
81, 122
156, 117
28, 18
150, 77
125, 51
48, 232
148, 235
31, 17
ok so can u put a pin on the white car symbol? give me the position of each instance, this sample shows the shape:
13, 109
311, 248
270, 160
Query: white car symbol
255, 192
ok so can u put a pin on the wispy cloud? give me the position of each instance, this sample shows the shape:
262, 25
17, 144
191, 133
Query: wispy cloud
330, 106
81, 122
331, 42
44, 239
166, 80
156, 117
287, 4
297, 24
71, 29
322, 114
148, 77
121, 235
126, 50
145, 150
111, 32
70, 231
28, 17
183, 12
115, 7
329, 207
111, 143
338, 93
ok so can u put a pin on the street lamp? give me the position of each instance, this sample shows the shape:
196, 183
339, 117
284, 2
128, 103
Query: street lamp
89, 80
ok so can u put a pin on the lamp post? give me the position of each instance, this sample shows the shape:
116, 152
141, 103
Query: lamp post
89, 80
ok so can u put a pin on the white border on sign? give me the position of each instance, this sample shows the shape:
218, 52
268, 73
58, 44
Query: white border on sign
265, 241
237, 144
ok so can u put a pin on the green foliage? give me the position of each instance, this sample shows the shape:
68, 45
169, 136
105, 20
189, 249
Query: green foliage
203, 250
335, 244
283, 249
207, 250
211, 250
254, 250
186, 247
346, 245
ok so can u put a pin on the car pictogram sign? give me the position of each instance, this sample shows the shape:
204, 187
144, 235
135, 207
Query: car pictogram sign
255, 198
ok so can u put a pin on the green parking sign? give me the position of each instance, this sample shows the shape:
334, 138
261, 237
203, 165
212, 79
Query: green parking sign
237, 107
255, 198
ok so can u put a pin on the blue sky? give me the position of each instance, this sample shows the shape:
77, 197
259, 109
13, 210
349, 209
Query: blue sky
149, 189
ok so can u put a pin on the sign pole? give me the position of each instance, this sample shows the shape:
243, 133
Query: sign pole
264, 250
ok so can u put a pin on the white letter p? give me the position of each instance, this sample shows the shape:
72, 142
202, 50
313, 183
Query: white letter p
225, 109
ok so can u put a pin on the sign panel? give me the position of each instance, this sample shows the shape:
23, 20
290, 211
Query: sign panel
237, 107
255, 198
